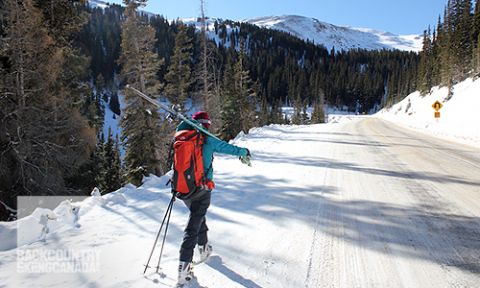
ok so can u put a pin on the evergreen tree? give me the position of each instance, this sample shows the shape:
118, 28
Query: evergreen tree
178, 78
94, 111
453, 51
318, 114
425, 66
445, 44
476, 38
276, 115
297, 111
206, 72
141, 122
43, 137
203, 74
264, 115
230, 112
305, 119
238, 106
100, 84
434, 58
109, 177
462, 39
100, 39
476, 21
244, 92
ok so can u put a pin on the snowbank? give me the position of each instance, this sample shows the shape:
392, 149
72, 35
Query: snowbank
66, 215
36, 226
459, 117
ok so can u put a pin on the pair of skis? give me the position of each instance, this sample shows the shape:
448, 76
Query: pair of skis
171, 111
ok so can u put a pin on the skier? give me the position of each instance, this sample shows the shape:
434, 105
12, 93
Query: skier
196, 231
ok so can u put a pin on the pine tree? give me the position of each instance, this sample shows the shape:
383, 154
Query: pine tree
230, 112
109, 177
463, 39
205, 63
204, 58
476, 38
305, 119
141, 123
434, 58
238, 107
276, 115
43, 137
244, 88
264, 115
178, 78
318, 114
425, 67
100, 84
207, 74
445, 57
95, 111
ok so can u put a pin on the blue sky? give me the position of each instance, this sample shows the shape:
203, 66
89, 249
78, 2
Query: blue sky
396, 16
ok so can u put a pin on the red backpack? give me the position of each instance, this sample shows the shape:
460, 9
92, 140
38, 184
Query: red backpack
188, 172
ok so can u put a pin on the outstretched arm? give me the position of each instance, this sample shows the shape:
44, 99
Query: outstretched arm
225, 148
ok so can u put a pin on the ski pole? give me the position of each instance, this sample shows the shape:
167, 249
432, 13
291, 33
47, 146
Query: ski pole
164, 236
169, 208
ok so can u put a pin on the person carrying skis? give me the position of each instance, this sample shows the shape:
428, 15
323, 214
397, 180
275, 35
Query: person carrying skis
195, 232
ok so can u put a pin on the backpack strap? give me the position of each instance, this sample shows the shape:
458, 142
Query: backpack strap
208, 171
170, 159
170, 154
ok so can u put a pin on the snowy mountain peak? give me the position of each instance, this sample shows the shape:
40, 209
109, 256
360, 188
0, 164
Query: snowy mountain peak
342, 38
321, 33
98, 4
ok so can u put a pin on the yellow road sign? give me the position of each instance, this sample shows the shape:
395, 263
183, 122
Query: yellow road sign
437, 114
437, 106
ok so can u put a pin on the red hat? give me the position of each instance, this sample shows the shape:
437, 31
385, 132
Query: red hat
202, 117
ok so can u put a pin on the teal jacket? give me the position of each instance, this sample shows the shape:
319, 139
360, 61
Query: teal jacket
212, 145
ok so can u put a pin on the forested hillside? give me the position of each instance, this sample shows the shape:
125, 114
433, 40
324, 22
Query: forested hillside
286, 68
451, 51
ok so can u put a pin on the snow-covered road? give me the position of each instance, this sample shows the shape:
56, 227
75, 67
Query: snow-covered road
359, 203
405, 210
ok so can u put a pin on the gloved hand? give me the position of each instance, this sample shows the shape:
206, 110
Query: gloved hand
247, 158
210, 185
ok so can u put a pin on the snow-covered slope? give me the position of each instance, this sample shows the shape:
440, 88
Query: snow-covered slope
111, 236
311, 212
98, 4
342, 38
459, 117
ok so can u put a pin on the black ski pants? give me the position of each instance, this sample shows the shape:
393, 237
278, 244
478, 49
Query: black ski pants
196, 230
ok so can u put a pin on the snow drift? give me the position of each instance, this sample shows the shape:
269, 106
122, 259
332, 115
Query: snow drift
459, 117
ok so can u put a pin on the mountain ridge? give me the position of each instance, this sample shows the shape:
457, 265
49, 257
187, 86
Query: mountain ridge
339, 37
321, 33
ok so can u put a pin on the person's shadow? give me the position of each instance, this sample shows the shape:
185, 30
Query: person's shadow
216, 263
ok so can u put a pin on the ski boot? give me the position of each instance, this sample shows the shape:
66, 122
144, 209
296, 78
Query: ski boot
185, 273
204, 251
